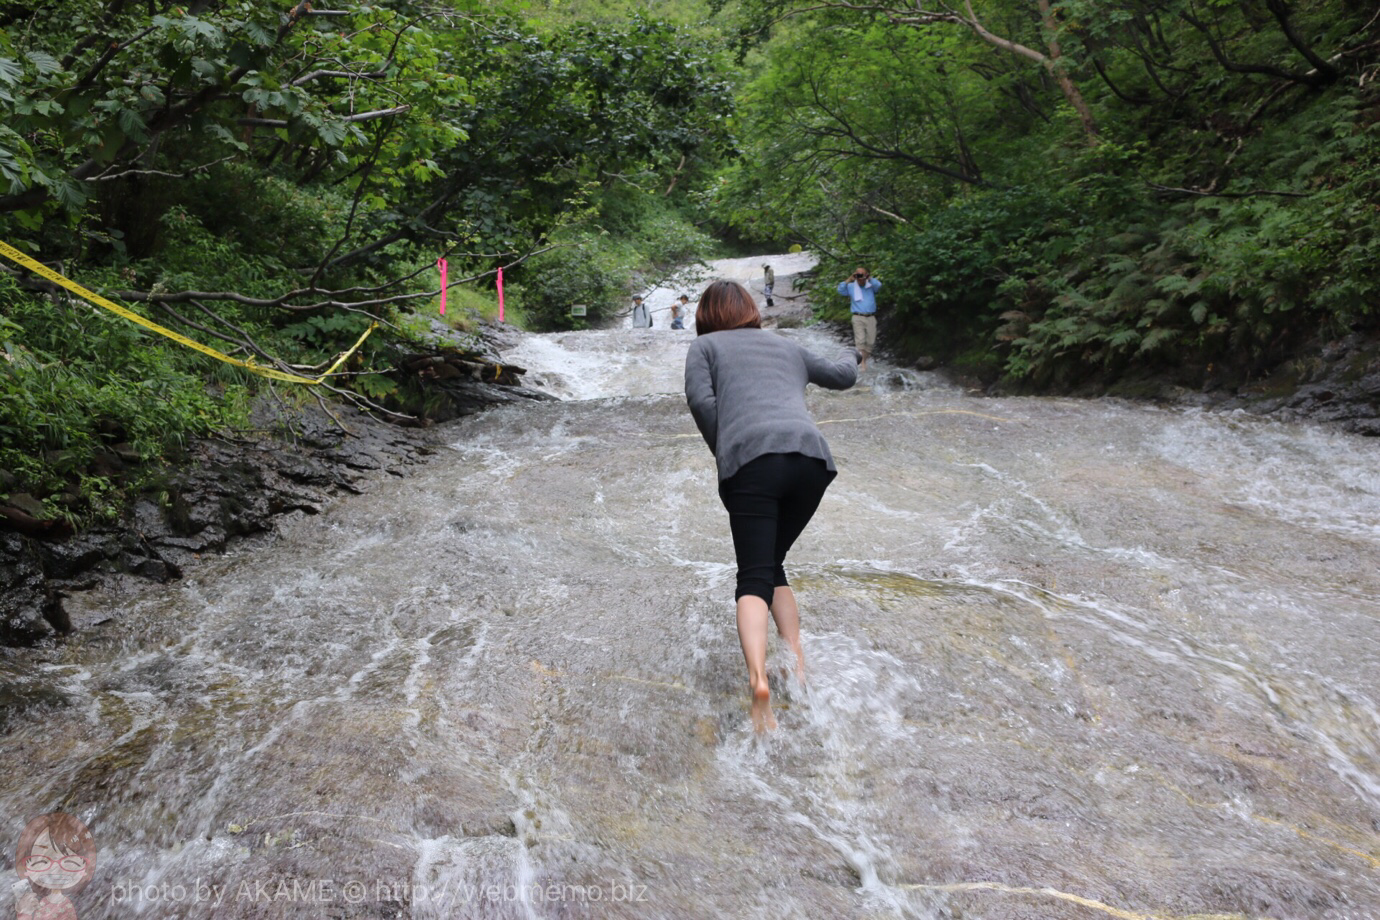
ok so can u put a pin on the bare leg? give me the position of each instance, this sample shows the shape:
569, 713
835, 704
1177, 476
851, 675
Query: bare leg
862, 365
752, 633
787, 616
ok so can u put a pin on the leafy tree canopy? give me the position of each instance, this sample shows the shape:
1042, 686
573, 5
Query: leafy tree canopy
1069, 190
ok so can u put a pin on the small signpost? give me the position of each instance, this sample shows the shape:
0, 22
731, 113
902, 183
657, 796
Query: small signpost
577, 309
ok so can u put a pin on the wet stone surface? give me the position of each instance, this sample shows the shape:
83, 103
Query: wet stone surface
301, 460
1066, 659
1338, 384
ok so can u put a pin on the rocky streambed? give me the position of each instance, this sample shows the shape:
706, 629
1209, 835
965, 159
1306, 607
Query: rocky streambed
299, 460
296, 459
1336, 382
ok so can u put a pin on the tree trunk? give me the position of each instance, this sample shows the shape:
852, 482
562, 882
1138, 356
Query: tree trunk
1052, 64
1049, 61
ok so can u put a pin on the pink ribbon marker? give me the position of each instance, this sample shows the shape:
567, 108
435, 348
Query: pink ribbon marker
441, 264
500, 293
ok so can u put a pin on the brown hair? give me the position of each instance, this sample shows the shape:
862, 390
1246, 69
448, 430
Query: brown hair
726, 305
68, 835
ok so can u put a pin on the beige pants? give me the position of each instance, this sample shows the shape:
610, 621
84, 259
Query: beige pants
864, 333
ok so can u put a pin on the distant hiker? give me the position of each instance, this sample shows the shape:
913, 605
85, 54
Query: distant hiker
641, 318
746, 389
678, 308
860, 289
769, 277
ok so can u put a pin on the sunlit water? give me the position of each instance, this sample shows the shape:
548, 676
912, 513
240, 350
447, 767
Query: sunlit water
1067, 659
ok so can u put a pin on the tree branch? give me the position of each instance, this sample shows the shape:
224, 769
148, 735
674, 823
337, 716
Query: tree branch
1281, 14
354, 206
285, 301
36, 195
896, 217
345, 74
1220, 54
108, 176
846, 131
362, 116
107, 56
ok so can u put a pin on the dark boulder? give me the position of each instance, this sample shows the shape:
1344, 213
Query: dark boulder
30, 606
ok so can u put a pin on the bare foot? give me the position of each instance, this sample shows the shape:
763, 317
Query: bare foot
762, 718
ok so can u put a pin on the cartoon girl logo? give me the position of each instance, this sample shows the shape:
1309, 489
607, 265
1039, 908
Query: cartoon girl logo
56, 857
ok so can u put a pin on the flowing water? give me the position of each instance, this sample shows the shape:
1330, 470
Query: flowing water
1067, 659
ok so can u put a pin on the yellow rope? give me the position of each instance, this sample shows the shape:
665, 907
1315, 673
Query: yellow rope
38, 268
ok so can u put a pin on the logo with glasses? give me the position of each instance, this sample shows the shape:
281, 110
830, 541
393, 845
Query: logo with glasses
56, 857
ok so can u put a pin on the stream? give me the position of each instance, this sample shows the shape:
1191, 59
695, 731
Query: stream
1066, 659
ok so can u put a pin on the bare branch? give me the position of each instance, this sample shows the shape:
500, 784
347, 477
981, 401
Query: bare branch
381, 113
362, 116
1281, 14
675, 177
1227, 63
108, 176
896, 217
997, 41
330, 302
244, 345
369, 162
363, 403
344, 74
113, 49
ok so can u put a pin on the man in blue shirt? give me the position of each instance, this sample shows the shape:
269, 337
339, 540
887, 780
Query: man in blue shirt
860, 289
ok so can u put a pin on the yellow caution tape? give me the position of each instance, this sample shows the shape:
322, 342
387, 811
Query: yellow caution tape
38, 268
341, 360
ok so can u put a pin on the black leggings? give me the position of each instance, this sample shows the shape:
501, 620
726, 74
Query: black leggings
769, 501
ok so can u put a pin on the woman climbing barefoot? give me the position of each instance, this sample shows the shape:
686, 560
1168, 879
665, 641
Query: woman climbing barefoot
746, 389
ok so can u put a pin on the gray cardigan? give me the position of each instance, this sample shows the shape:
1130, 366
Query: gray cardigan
746, 390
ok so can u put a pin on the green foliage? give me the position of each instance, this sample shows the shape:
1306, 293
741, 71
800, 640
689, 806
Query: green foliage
584, 270
269, 183
322, 331
310, 146
265, 216
954, 262
601, 269
1234, 280
563, 119
1219, 205
561, 13
75, 381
